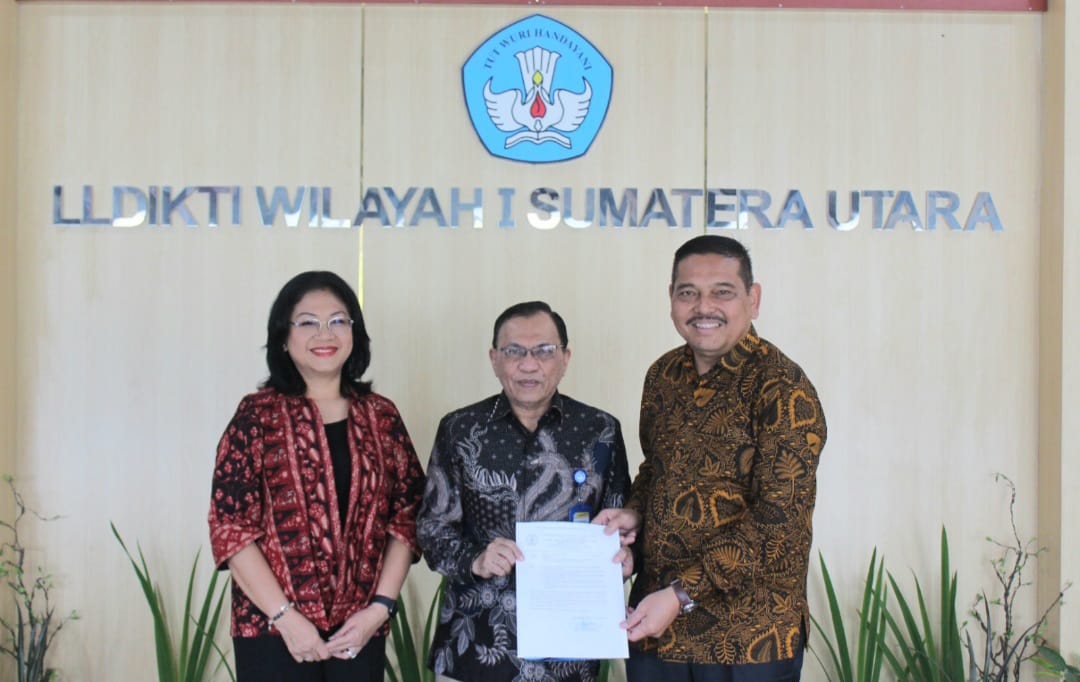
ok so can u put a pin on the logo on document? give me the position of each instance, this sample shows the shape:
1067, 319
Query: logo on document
537, 91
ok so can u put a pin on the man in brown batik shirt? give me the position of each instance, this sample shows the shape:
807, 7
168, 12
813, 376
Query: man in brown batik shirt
722, 506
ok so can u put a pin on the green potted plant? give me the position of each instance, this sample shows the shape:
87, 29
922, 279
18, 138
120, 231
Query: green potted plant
410, 655
27, 637
926, 651
869, 658
1006, 645
926, 647
1052, 664
187, 659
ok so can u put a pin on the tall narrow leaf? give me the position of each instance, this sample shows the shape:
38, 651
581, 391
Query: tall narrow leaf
410, 663
189, 659
870, 652
927, 653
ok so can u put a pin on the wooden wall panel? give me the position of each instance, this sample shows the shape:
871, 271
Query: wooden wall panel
604, 280
922, 344
138, 343
433, 294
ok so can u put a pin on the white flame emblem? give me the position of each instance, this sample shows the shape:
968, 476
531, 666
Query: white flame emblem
541, 112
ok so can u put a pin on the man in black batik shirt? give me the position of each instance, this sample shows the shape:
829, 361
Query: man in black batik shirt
526, 454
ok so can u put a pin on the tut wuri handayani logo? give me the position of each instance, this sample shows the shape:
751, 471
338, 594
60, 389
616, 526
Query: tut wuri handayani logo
537, 91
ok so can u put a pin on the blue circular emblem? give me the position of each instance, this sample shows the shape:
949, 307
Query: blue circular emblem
537, 91
579, 476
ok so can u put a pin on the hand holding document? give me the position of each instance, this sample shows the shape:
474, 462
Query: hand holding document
569, 592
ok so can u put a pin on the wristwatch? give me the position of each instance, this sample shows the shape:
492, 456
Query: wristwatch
390, 604
686, 604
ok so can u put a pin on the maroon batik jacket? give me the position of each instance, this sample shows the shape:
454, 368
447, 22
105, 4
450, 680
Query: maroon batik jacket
274, 486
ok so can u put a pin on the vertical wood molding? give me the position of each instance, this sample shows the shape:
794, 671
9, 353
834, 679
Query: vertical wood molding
8, 157
1059, 326
8, 199
1069, 374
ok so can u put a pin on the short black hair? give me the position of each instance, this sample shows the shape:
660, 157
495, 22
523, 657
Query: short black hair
284, 376
528, 309
721, 246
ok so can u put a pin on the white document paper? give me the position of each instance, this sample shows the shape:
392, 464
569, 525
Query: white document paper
569, 592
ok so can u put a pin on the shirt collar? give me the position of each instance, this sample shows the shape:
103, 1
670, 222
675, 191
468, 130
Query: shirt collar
501, 408
732, 360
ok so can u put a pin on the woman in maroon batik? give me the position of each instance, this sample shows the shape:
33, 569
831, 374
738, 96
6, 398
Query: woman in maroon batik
314, 501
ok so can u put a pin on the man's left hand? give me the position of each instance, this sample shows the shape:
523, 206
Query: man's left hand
626, 521
652, 615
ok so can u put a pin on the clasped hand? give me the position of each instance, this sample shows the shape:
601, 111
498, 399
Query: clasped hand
306, 645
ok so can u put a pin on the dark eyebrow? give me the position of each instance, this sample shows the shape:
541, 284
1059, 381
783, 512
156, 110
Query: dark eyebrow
334, 314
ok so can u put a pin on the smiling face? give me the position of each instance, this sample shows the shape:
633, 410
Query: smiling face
711, 307
319, 355
529, 383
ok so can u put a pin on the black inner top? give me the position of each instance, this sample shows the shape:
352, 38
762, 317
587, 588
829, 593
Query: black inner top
337, 435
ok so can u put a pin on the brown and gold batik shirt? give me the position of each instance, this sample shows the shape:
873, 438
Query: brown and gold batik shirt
726, 493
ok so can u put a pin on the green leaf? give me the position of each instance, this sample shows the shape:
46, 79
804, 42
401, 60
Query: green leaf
429, 629
410, 661
927, 651
871, 653
189, 659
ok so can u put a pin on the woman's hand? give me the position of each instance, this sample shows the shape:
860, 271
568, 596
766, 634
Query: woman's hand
252, 573
301, 637
355, 633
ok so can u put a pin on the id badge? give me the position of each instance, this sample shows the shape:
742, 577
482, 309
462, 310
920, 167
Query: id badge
580, 513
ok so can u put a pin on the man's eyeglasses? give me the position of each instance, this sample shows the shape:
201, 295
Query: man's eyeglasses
311, 326
545, 351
